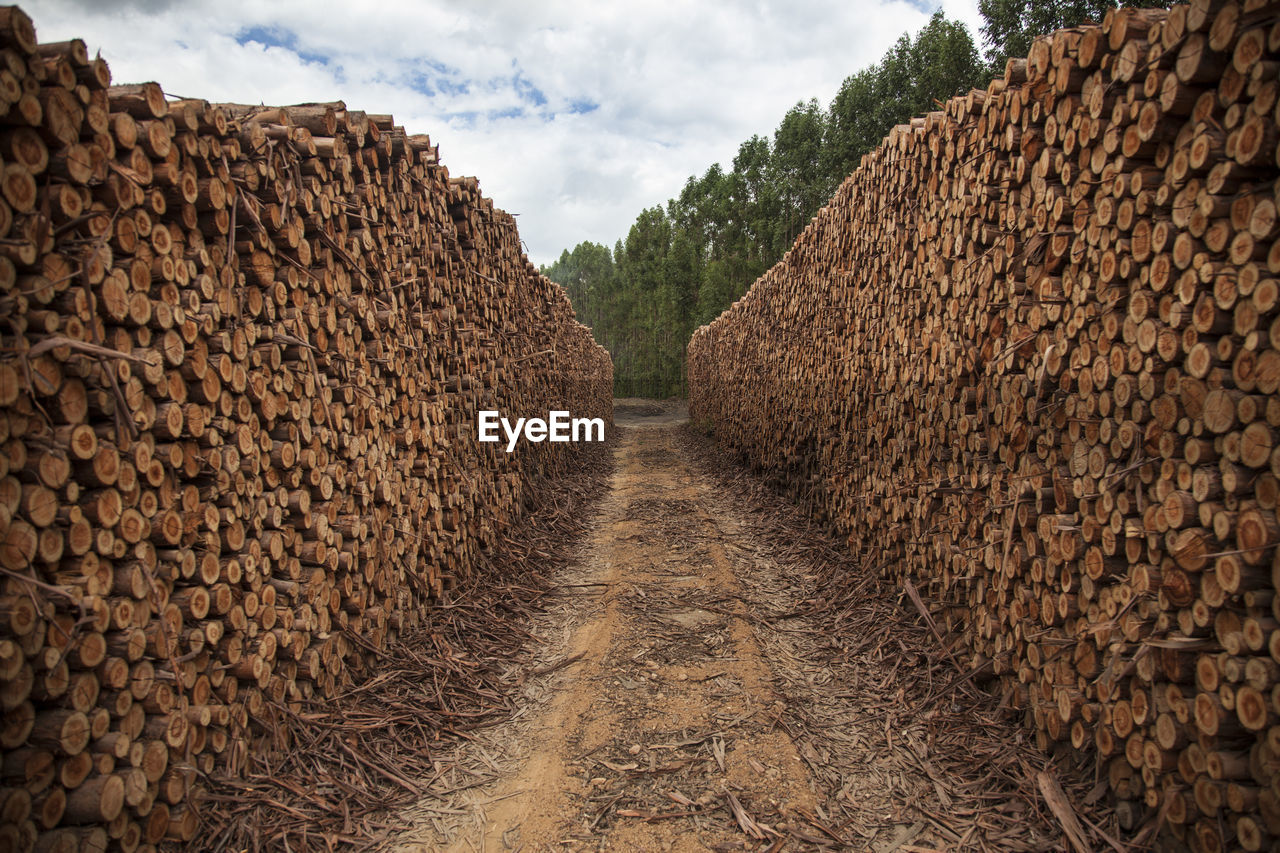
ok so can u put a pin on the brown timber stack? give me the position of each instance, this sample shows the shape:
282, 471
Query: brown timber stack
242, 351
1028, 358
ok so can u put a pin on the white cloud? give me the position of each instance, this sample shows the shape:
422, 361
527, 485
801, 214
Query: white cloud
574, 115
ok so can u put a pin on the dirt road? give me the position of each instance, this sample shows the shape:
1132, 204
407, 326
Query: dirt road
680, 699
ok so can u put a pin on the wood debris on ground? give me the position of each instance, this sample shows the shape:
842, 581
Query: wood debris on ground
908, 748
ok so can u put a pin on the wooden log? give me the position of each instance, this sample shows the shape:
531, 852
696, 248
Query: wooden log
1033, 326
237, 464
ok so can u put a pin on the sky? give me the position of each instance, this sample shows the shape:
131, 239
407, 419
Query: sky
573, 115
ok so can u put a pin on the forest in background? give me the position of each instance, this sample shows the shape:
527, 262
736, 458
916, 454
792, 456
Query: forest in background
685, 261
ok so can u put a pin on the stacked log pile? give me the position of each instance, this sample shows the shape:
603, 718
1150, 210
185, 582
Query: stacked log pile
1027, 358
242, 351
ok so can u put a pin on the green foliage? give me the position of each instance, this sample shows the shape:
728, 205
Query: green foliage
911, 79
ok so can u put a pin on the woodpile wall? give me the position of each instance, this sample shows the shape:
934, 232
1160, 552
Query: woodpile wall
242, 352
1027, 358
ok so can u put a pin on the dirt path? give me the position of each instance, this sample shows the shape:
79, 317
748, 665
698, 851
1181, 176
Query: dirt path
675, 700
664, 700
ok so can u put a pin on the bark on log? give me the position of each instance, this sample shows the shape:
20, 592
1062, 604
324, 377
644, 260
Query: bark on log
239, 384
1027, 357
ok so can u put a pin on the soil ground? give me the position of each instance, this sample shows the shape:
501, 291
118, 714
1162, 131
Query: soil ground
688, 688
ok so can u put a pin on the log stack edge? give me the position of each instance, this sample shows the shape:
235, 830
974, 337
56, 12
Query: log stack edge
242, 352
1027, 360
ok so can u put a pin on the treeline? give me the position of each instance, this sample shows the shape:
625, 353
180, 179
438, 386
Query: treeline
684, 262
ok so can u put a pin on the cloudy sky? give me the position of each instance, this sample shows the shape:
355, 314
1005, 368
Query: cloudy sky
574, 115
